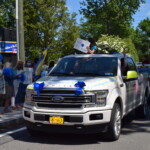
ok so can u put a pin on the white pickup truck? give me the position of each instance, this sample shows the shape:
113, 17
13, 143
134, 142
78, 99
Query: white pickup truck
87, 94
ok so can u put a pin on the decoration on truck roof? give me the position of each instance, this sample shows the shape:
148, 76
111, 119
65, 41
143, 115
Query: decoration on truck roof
80, 85
38, 87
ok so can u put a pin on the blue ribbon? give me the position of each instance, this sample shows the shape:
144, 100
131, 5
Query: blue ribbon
80, 85
38, 87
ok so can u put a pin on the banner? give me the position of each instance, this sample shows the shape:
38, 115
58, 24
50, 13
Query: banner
81, 45
8, 47
40, 63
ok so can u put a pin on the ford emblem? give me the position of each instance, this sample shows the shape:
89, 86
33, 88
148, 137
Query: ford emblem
57, 99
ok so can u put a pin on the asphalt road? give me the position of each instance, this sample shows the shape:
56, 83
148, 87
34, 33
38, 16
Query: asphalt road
135, 135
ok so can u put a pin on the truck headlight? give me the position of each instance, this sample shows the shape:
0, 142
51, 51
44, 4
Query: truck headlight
28, 97
101, 97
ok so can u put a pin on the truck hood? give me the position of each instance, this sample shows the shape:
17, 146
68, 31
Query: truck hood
92, 83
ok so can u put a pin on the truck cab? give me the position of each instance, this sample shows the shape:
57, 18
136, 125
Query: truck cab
86, 94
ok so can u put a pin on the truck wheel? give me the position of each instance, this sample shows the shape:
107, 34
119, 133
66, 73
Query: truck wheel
114, 127
142, 110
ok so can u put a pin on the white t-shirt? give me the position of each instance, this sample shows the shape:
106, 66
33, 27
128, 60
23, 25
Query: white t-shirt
28, 72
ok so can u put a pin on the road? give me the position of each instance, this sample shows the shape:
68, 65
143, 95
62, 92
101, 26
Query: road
135, 135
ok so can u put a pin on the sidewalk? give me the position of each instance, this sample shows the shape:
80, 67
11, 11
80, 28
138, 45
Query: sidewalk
10, 119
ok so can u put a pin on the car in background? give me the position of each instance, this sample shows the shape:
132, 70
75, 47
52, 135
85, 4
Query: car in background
144, 69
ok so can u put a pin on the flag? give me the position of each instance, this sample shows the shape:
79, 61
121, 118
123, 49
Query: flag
39, 64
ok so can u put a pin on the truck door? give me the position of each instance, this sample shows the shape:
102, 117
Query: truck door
132, 85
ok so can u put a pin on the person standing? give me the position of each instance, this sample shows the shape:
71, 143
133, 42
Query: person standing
9, 86
18, 84
2, 85
93, 46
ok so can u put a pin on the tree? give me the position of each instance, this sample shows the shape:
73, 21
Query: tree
7, 14
47, 24
111, 44
43, 18
68, 35
141, 38
144, 27
112, 17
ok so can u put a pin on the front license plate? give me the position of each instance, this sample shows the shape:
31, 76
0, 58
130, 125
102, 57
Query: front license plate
56, 119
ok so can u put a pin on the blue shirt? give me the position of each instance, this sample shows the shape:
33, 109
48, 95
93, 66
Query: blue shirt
93, 48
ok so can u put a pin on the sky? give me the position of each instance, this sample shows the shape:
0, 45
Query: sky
142, 13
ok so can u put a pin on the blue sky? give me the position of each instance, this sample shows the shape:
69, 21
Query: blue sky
142, 13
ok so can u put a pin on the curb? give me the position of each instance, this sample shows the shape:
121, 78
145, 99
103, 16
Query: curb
12, 123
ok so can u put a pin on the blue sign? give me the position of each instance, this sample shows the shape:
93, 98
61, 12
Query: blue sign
8, 47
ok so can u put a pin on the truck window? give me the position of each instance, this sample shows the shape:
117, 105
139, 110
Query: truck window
86, 66
127, 65
130, 65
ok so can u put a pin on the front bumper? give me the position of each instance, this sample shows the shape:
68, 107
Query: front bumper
75, 129
89, 121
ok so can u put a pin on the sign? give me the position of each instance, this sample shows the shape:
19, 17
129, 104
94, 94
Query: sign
81, 45
2, 85
8, 47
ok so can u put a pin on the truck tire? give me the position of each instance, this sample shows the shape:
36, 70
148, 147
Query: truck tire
114, 127
142, 110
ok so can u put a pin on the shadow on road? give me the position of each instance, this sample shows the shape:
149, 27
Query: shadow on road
132, 124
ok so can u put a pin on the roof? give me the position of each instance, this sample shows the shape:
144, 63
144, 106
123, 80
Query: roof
97, 55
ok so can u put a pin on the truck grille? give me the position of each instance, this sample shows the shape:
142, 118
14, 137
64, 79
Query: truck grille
58, 106
66, 99
69, 99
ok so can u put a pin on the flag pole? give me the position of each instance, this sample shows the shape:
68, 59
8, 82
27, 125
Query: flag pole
17, 30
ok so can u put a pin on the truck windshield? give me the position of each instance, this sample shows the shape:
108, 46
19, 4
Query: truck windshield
86, 66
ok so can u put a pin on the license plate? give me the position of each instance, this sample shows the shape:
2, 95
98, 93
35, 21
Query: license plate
56, 119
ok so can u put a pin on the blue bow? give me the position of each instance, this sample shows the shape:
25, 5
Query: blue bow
79, 89
38, 87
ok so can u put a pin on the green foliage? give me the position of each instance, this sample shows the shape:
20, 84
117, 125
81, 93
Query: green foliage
110, 44
7, 14
144, 26
141, 38
43, 18
112, 17
68, 35
47, 24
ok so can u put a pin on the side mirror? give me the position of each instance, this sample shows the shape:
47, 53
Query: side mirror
132, 75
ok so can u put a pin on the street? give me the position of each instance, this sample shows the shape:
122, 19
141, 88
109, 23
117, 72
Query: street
134, 136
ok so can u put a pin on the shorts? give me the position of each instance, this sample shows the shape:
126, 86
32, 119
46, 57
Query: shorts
9, 91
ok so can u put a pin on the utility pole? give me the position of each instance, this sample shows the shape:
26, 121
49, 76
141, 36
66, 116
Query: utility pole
20, 30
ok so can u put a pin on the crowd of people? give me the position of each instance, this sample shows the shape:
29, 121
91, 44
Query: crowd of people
15, 80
